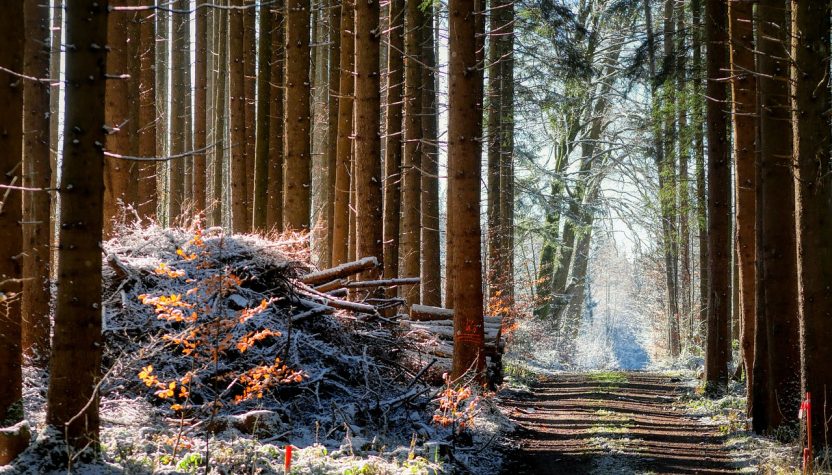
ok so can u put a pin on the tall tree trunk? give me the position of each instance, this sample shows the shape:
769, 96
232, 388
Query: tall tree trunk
250, 81
180, 61
37, 174
237, 118
697, 126
684, 283
117, 172
412, 162
464, 128
274, 213
146, 187
744, 95
343, 165
200, 115
813, 183
777, 248
368, 201
11, 153
163, 77
75, 363
494, 136
297, 170
320, 134
262, 151
506, 224
393, 137
332, 119
718, 345
221, 115
431, 290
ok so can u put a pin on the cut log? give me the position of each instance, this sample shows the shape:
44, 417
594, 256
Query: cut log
333, 285
339, 272
428, 313
331, 301
383, 282
447, 333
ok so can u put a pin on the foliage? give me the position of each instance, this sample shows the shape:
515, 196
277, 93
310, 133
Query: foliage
210, 330
457, 406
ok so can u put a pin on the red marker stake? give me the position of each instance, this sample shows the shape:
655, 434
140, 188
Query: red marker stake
287, 467
809, 463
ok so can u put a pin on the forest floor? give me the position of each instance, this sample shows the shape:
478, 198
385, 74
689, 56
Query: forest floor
614, 422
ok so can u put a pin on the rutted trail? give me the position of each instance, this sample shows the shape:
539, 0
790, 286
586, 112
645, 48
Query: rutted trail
611, 423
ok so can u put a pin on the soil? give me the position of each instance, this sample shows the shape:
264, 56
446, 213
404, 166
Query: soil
611, 423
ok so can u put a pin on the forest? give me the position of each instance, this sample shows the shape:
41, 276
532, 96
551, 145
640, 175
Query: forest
415, 236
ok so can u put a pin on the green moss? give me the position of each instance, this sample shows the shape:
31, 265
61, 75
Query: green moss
611, 377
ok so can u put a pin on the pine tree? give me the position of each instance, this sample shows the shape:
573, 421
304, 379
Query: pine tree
393, 137
343, 164
464, 119
431, 292
237, 118
813, 191
200, 114
11, 153
146, 186
262, 155
717, 351
274, 213
298, 161
368, 202
75, 363
37, 174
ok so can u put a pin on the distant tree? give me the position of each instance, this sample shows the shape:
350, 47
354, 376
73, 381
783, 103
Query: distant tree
11, 142
368, 198
37, 175
298, 162
813, 182
250, 65
75, 363
412, 159
343, 164
464, 119
332, 116
221, 113
718, 346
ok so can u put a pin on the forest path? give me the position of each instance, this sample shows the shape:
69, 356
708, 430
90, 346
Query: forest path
610, 422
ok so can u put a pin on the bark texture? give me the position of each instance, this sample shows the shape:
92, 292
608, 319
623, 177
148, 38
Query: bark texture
75, 364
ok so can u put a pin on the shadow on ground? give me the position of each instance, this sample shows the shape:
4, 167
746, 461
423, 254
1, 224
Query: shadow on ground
616, 423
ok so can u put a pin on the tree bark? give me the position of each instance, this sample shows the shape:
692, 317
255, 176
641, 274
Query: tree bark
718, 344
180, 61
222, 107
343, 165
368, 200
697, 125
11, 153
813, 191
75, 363
37, 174
250, 82
464, 129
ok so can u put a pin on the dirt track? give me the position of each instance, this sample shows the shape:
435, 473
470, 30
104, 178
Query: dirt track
616, 423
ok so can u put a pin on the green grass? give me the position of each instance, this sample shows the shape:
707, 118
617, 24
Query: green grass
610, 377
